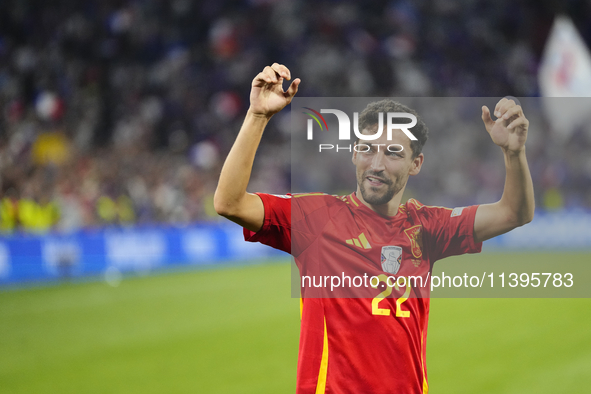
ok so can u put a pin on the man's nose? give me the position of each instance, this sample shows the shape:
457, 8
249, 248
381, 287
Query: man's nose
377, 163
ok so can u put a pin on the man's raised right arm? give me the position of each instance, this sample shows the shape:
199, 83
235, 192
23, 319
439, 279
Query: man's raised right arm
266, 99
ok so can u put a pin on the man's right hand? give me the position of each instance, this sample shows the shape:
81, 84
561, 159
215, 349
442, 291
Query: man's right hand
267, 96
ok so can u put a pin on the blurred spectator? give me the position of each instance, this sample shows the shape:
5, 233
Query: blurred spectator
9, 211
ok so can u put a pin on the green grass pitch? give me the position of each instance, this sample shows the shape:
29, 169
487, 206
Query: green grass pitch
235, 330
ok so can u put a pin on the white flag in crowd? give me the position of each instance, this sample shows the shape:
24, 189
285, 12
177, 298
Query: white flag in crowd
565, 71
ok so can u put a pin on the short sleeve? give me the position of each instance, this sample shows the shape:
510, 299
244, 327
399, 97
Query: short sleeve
276, 230
451, 231
309, 216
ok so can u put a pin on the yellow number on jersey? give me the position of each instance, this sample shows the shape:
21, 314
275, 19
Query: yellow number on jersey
376, 310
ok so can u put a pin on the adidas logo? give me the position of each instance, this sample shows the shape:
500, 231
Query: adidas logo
360, 241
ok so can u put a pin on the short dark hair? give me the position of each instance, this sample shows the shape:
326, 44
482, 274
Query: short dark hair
370, 116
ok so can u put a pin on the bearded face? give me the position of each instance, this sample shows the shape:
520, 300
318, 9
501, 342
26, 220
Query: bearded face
382, 173
378, 187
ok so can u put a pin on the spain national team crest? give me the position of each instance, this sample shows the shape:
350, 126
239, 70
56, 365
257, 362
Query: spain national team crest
415, 235
391, 259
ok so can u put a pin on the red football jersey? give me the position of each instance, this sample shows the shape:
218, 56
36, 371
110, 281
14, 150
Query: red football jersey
359, 337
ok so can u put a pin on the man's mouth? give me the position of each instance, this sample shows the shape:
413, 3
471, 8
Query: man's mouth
375, 181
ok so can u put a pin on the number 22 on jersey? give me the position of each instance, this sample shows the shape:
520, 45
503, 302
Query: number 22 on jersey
376, 310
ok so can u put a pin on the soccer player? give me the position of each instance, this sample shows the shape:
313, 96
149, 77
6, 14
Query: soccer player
373, 341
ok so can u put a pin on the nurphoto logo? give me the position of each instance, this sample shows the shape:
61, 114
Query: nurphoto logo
345, 129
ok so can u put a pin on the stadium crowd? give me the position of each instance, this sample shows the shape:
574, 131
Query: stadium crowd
120, 112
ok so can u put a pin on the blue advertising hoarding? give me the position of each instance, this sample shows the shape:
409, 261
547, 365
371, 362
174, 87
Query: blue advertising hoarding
29, 258
26, 257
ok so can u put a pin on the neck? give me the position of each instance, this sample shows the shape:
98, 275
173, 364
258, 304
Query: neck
388, 209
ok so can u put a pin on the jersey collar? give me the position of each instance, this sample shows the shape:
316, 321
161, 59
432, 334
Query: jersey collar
367, 210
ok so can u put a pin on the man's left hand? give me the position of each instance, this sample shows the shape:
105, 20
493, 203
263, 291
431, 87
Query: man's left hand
509, 131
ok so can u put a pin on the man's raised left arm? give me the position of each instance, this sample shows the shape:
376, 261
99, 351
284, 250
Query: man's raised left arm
516, 206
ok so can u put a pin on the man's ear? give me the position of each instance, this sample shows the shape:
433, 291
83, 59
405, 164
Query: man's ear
416, 165
354, 157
